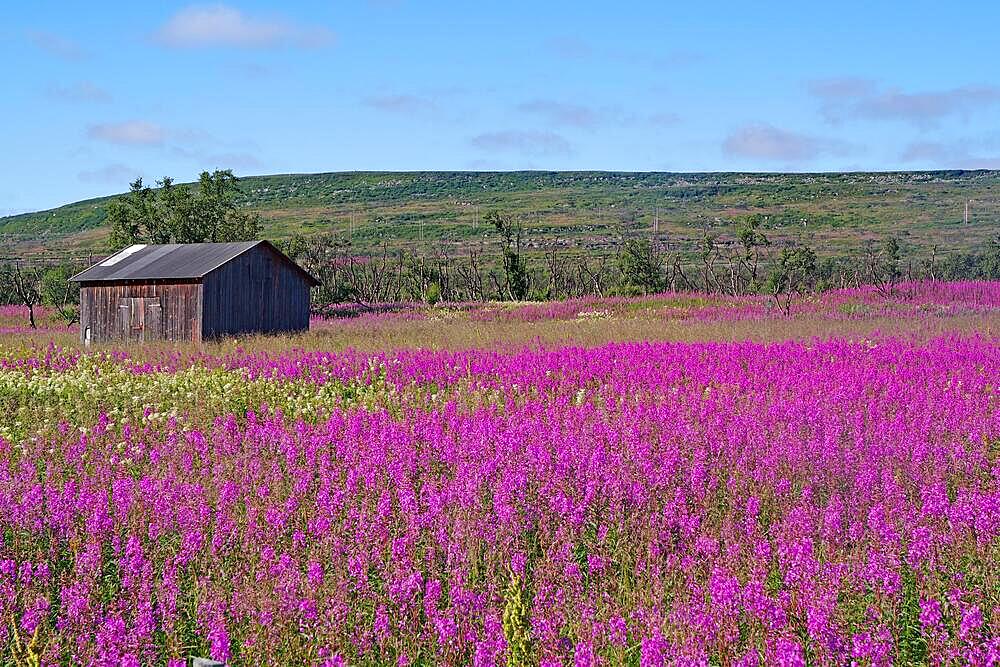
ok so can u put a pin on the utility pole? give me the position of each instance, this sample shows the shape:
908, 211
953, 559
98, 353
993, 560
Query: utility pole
967, 201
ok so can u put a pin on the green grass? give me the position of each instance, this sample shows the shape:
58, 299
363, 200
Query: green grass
586, 211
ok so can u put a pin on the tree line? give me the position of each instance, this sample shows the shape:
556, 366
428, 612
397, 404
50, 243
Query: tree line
743, 261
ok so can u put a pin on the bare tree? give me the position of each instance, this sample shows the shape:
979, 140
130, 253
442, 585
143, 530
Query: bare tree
882, 265
469, 275
26, 286
597, 275
676, 278
709, 254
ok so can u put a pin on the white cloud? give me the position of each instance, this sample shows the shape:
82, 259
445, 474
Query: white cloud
852, 98
128, 133
766, 142
222, 25
192, 144
955, 155
922, 108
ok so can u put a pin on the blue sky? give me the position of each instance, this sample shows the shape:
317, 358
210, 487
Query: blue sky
98, 93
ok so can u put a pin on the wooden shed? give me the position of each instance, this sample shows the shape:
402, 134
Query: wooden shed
193, 291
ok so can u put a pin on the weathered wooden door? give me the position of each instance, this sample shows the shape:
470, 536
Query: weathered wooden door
125, 328
140, 319
152, 319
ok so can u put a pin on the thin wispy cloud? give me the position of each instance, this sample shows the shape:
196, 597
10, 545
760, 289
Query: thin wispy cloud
249, 70
841, 88
400, 103
128, 133
571, 114
924, 107
574, 48
57, 45
528, 143
856, 98
194, 144
957, 155
115, 173
233, 161
562, 113
570, 47
82, 91
761, 141
664, 118
207, 158
221, 25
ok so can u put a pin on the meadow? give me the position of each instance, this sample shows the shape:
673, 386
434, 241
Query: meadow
671, 480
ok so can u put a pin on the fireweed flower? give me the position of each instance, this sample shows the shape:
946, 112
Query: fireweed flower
972, 621
739, 502
617, 631
930, 613
788, 653
653, 651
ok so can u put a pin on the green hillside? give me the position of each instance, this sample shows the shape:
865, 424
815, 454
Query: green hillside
581, 210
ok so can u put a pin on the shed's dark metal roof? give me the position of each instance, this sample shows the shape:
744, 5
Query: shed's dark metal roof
173, 261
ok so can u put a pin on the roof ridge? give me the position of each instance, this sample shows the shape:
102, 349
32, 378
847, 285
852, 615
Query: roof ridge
167, 261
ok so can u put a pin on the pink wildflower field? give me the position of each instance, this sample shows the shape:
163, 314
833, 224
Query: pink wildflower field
803, 500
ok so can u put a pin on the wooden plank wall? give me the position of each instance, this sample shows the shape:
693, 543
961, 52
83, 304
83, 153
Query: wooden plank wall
256, 292
180, 301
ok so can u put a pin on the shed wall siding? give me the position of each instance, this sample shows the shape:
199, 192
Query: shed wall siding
180, 303
256, 292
